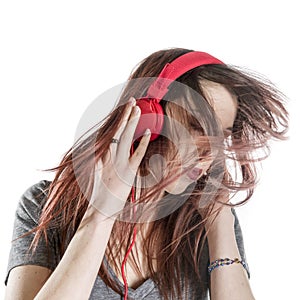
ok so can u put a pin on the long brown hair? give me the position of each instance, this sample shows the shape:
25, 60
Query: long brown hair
175, 241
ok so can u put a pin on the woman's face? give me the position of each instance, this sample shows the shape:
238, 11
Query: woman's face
225, 107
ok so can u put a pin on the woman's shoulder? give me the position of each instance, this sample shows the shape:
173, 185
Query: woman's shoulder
33, 199
40, 187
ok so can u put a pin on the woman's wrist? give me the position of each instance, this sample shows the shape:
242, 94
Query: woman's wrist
224, 221
95, 216
221, 236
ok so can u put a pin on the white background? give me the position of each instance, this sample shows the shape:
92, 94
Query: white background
58, 56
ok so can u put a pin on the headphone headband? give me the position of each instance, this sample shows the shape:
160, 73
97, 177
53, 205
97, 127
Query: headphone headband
152, 114
176, 68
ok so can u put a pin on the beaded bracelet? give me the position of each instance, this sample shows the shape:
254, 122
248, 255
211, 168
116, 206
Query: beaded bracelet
225, 262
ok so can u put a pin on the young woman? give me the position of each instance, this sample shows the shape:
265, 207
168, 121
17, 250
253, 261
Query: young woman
134, 213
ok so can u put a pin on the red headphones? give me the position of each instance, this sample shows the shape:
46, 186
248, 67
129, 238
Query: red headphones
152, 114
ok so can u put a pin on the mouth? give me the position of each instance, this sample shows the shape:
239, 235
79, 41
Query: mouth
194, 173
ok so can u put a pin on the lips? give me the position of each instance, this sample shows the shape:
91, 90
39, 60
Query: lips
194, 173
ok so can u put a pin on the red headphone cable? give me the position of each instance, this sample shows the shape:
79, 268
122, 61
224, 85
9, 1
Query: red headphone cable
133, 239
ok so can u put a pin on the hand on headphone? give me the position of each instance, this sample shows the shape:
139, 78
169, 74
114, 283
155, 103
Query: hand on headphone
114, 176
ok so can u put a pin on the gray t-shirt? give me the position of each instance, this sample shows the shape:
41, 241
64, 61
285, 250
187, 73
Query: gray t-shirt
27, 216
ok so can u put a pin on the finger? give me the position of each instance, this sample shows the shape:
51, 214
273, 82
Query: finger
128, 110
128, 132
137, 156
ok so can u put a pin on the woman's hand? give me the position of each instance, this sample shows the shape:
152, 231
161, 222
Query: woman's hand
114, 175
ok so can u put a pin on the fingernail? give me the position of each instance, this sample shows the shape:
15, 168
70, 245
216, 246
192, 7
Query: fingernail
137, 110
132, 101
147, 132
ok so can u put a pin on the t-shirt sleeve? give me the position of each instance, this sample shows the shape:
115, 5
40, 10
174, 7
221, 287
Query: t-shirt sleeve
240, 240
26, 218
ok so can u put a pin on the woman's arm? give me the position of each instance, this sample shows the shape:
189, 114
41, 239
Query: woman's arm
76, 273
25, 281
227, 282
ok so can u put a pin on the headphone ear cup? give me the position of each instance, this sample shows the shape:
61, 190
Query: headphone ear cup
152, 117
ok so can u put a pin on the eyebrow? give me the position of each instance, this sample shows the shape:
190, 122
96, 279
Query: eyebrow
229, 128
